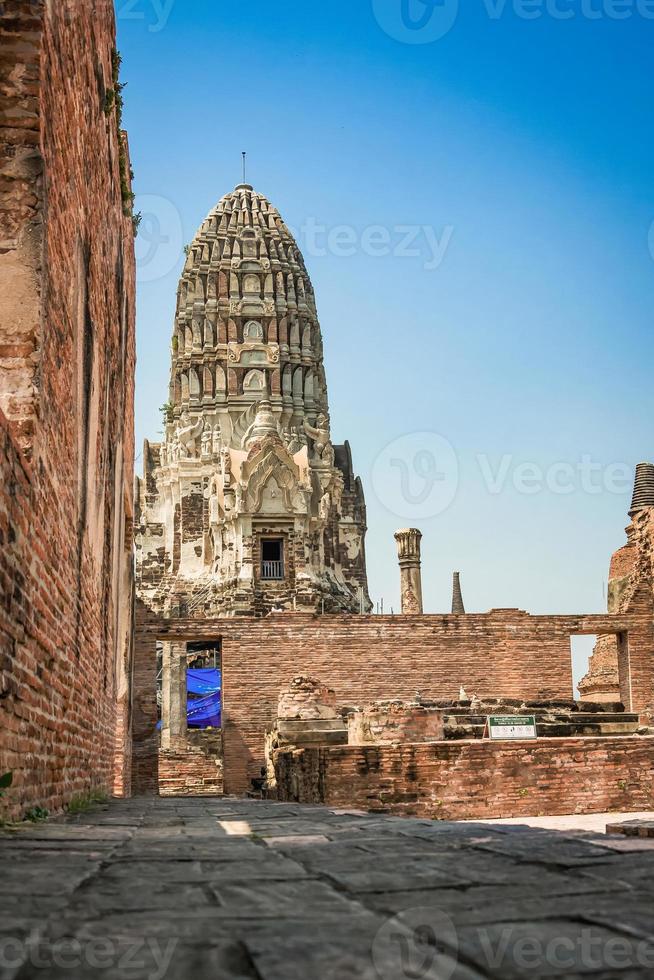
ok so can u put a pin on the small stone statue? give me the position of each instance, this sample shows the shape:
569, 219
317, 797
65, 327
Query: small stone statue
216, 437
187, 435
206, 441
214, 504
321, 438
325, 506
226, 460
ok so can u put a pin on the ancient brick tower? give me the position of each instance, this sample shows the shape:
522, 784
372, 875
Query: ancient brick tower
247, 505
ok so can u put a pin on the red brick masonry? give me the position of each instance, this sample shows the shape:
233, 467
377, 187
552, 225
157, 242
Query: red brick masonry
67, 354
482, 780
504, 653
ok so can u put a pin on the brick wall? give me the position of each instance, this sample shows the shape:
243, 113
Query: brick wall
477, 779
194, 768
66, 388
631, 590
145, 738
505, 653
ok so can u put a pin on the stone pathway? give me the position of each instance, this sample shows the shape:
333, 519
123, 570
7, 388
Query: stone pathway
185, 889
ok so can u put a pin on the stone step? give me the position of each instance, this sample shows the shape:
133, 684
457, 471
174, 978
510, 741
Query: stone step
632, 828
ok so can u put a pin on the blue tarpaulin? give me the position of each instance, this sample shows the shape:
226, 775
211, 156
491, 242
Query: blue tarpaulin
203, 711
203, 706
203, 682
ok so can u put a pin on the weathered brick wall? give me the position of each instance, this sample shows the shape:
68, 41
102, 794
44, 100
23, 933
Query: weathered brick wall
145, 737
66, 382
631, 590
477, 779
505, 653
195, 769
367, 658
21, 213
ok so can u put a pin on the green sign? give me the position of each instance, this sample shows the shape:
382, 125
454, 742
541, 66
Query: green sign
512, 726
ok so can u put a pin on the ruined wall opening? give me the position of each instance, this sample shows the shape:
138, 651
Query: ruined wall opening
582, 648
601, 668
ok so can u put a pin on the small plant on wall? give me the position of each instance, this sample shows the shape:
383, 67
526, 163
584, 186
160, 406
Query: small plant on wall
114, 104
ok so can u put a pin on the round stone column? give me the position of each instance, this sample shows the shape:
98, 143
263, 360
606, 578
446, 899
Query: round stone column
408, 550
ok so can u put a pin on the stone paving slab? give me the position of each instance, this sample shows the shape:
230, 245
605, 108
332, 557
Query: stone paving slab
632, 828
166, 889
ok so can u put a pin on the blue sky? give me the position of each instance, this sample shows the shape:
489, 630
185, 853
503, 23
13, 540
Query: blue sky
518, 153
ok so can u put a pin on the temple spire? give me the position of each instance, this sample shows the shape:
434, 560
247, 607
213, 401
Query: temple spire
643, 488
458, 609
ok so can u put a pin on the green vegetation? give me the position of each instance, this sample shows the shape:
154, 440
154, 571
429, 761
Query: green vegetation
37, 814
114, 102
85, 801
167, 412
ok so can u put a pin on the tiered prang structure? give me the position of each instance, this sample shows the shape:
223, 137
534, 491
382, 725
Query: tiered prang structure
247, 506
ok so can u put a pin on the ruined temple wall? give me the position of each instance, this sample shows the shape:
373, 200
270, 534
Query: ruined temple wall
475, 780
505, 653
66, 384
367, 658
631, 590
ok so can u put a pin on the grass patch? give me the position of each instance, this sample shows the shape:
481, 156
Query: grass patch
86, 801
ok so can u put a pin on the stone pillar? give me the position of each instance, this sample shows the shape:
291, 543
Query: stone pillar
408, 550
173, 696
458, 608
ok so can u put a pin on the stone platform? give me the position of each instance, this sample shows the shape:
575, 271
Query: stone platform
226, 888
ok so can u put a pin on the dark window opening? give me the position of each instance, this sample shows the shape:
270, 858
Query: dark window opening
272, 560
